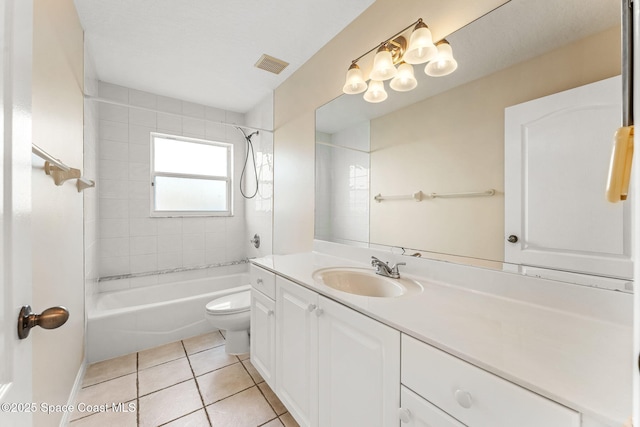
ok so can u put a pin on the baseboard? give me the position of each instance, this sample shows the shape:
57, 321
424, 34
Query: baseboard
77, 385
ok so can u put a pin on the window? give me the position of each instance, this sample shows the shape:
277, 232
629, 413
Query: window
190, 177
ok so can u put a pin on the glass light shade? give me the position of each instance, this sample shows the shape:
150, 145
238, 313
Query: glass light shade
376, 92
383, 68
442, 64
405, 80
421, 48
354, 82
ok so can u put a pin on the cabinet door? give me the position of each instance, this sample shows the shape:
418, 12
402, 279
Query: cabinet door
297, 351
359, 368
263, 338
557, 151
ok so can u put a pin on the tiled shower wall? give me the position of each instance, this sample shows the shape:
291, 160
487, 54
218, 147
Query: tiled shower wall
129, 240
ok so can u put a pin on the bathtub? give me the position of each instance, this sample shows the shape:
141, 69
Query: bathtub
134, 319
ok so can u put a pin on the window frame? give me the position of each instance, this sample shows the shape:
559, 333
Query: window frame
190, 213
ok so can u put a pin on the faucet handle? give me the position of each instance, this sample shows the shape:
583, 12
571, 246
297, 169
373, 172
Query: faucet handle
375, 261
394, 269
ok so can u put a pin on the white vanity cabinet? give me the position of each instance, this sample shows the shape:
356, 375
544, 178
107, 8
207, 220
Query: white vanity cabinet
334, 366
473, 396
263, 323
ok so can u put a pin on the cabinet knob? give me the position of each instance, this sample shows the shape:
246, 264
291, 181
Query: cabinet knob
319, 312
311, 307
512, 238
463, 398
405, 415
259, 281
270, 313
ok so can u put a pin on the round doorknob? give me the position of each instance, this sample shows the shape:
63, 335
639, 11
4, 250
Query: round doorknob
512, 238
51, 318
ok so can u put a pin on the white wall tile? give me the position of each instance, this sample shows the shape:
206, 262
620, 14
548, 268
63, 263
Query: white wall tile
113, 228
193, 127
193, 110
139, 190
139, 172
114, 131
141, 117
192, 259
170, 243
215, 132
139, 153
169, 260
215, 241
140, 134
193, 242
111, 266
138, 208
143, 245
114, 247
215, 224
168, 226
169, 123
113, 189
111, 150
170, 105
215, 257
144, 263
114, 113
113, 92
114, 208
113, 169
193, 225
233, 117
214, 114
143, 227
142, 99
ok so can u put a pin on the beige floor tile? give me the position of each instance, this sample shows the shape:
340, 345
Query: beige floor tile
223, 383
273, 400
165, 375
252, 371
162, 354
196, 419
273, 423
203, 342
244, 356
119, 390
288, 420
169, 404
109, 369
209, 360
234, 411
107, 419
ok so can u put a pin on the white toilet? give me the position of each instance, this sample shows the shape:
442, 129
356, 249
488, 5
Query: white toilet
232, 314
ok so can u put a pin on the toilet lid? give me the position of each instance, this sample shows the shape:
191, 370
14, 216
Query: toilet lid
229, 304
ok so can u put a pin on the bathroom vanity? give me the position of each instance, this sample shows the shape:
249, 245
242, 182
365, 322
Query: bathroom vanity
472, 347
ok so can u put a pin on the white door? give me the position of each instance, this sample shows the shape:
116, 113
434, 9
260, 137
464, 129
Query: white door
297, 351
263, 338
358, 368
16, 18
557, 151
635, 191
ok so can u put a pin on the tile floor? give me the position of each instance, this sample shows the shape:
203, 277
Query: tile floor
191, 383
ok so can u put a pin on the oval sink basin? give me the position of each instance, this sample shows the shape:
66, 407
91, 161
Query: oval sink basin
365, 282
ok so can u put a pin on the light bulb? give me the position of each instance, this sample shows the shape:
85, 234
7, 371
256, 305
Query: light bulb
405, 80
383, 68
421, 48
443, 63
354, 83
376, 92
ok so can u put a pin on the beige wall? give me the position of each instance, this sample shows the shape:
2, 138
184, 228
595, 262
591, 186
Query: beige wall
463, 151
57, 211
318, 81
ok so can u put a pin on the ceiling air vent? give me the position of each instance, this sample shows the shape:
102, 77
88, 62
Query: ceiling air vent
271, 64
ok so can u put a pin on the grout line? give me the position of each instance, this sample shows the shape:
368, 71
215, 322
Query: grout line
137, 389
197, 385
182, 416
273, 419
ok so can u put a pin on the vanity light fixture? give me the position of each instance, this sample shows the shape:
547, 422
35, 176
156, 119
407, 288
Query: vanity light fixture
396, 52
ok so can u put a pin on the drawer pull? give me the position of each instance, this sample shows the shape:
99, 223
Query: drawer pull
259, 281
405, 415
463, 398
270, 313
319, 312
311, 307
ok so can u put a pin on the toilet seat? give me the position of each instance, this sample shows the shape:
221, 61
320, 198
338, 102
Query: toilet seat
230, 304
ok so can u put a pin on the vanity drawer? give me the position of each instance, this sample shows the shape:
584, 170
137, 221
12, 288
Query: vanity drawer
417, 412
474, 396
263, 280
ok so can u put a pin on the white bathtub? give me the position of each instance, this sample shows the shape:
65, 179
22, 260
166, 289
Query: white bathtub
131, 320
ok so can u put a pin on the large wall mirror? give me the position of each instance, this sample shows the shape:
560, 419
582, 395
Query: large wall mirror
447, 137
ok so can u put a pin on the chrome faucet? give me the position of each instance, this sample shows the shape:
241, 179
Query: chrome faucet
383, 269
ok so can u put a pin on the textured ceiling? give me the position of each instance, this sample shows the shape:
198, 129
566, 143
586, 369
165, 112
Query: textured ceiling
204, 51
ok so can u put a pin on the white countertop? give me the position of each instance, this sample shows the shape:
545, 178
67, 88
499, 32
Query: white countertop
579, 360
